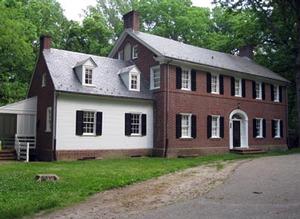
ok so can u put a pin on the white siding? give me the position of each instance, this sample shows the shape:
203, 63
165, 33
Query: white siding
113, 124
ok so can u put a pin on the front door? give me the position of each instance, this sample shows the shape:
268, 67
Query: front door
236, 133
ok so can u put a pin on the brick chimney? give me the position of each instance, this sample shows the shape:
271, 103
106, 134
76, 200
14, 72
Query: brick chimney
246, 51
45, 42
132, 20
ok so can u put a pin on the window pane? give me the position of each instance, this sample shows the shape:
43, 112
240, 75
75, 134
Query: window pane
185, 126
237, 84
88, 122
215, 126
134, 82
214, 84
258, 90
135, 123
185, 79
156, 77
88, 76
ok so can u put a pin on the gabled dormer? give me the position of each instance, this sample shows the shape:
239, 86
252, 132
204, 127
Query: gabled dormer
85, 70
131, 77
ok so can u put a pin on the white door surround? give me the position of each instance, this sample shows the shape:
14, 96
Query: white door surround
239, 115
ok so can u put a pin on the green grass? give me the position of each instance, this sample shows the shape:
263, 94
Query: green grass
20, 195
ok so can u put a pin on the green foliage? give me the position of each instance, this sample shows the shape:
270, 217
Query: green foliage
20, 195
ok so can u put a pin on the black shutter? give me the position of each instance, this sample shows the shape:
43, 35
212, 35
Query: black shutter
243, 88
264, 128
193, 80
232, 86
178, 77
253, 90
144, 124
273, 128
222, 127
194, 126
79, 122
178, 126
99, 123
208, 82
263, 93
254, 128
281, 128
280, 93
209, 118
272, 92
127, 124
221, 80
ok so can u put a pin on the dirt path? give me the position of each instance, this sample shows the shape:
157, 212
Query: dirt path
125, 202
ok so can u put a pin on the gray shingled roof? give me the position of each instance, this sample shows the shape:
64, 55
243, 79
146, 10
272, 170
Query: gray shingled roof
105, 77
180, 51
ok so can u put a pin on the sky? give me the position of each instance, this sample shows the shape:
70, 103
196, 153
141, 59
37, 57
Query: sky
73, 8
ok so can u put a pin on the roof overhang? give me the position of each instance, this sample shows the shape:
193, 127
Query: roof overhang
27, 106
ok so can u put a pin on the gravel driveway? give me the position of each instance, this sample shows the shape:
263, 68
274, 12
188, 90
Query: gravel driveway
263, 188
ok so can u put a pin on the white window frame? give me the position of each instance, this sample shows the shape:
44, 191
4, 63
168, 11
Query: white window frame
134, 54
153, 77
276, 93
139, 115
48, 119
131, 74
84, 76
217, 128
186, 71
85, 122
277, 128
260, 127
121, 55
259, 96
187, 116
217, 91
44, 80
239, 82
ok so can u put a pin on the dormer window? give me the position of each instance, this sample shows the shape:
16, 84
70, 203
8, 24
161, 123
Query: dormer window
134, 82
88, 76
130, 76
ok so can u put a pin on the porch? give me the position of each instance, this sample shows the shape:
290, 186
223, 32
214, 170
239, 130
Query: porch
17, 128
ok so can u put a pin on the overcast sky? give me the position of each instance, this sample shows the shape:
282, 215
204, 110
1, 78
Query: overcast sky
73, 8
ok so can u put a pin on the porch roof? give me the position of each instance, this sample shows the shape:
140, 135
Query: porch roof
27, 106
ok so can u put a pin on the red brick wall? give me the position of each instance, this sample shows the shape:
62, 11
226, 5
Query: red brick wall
44, 99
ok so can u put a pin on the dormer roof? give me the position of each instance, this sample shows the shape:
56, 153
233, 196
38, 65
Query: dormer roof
85, 61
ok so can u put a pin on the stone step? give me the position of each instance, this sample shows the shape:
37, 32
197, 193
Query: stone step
247, 151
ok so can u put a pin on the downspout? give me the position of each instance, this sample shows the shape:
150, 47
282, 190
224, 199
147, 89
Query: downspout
54, 125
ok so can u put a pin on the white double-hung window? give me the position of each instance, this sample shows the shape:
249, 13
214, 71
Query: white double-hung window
88, 76
134, 52
258, 90
186, 125
277, 128
155, 77
215, 84
134, 81
238, 87
276, 93
215, 126
259, 127
136, 124
186, 79
89, 123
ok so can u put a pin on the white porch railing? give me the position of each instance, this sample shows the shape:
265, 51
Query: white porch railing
23, 144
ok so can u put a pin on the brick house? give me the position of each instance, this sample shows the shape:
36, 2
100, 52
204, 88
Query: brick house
154, 96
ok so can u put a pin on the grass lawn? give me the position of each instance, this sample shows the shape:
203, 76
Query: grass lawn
20, 195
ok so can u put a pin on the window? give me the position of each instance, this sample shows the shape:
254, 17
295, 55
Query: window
259, 128
185, 125
88, 76
155, 77
44, 80
49, 119
186, 79
214, 84
238, 87
215, 127
277, 128
258, 90
134, 82
89, 122
134, 52
276, 93
136, 124
121, 55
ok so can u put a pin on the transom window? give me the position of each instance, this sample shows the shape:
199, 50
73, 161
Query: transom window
277, 128
215, 84
259, 127
215, 126
155, 77
186, 125
276, 93
134, 52
89, 122
186, 79
88, 76
258, 90
136, 124
238, 87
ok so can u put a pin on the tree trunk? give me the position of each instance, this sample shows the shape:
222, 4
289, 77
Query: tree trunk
297, 4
